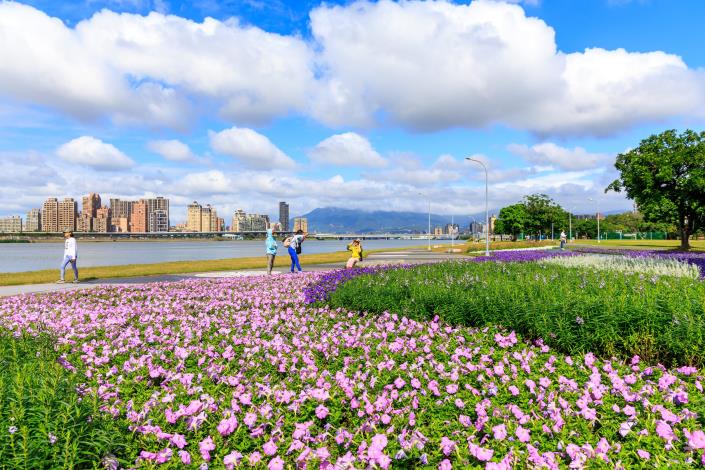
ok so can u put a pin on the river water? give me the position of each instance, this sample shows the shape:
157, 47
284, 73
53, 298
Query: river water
17, 257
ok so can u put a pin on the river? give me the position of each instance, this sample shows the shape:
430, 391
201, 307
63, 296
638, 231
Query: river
17, 257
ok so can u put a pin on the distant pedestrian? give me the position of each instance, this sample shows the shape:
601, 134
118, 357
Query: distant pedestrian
294, 248
355, 249
70, 256
271, 245
563, 239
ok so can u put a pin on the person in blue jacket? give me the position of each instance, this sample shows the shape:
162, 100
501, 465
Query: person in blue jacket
271, 245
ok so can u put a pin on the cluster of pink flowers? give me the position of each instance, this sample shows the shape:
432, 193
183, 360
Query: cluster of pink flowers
242, 372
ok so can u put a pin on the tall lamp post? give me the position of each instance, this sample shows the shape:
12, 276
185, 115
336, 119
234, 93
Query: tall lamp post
570, 223
597, 216
429, 221
487, 212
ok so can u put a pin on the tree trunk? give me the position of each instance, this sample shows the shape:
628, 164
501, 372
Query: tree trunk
684, 232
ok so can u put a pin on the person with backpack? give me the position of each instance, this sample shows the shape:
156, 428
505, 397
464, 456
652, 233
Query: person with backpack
356, 254
271, 245
293, 245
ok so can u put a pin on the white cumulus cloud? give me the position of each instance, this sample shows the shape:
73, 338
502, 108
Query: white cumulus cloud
173, 150
91, 152
563, 158
436, 65
348, 149
251, 148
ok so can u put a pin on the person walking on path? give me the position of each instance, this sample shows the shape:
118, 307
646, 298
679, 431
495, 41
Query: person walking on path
294, 248
271, 245
563, 239
356, 254
70, 256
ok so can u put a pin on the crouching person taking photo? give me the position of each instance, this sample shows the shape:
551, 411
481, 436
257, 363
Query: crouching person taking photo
356, 254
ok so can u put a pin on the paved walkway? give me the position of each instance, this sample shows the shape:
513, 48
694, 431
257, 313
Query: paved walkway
391, 257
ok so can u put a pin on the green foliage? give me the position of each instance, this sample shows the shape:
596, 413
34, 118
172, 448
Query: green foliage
575, 310
665, 175
536, 213
44, 422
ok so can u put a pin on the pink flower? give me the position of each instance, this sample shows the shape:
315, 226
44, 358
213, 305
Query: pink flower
451, 388
415, 383
696, 439
321, 412
664, 431
206, 446
232, 459
399, 382
514, 390
447, 445
500, 432
480, 453
269, 448
643, 454
179, 440
276, 464
254, 458
185, 457
250, 419
522, 434
445, 465
227, 426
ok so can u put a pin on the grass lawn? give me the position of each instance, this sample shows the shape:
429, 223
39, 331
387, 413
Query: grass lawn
696, 245
174, 267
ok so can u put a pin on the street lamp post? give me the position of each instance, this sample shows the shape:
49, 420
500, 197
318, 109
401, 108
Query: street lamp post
570, 223
597, 216
487, 212
429, 221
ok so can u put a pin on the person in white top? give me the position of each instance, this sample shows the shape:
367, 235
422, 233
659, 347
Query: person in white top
70, 256
563, 239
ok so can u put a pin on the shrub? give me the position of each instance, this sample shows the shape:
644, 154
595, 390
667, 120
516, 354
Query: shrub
575, 310
44, 422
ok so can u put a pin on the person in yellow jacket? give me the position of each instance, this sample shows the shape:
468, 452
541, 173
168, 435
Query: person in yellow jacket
356, 254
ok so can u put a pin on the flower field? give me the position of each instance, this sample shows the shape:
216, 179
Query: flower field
248, 373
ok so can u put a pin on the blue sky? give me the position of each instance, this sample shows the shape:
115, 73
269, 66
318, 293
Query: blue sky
241, 104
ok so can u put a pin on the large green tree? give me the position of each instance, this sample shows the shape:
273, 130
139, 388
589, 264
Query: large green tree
542, 213
665, 175
512, 220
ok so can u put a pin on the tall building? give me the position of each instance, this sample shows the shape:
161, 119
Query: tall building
158, 220
139, 217
193, 217
84, 223
12, 224
33, 222
243, 222
91, 203
284, 215
102, 221
50, 215
68, 208
158, 214
119, 224
121, 208
301, 223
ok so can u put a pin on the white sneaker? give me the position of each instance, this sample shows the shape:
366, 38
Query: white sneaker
60, 281
75, 281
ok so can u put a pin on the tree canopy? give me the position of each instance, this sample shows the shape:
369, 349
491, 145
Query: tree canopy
665, 176
536, 213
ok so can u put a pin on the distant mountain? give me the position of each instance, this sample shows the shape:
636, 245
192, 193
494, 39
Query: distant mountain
338, 220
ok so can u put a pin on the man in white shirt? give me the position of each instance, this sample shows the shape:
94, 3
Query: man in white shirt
70, 256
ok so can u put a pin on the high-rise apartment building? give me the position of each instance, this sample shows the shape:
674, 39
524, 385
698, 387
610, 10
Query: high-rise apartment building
120, 208
33, 222
119, 224
301, 223
68, 209
243, 222
50, 215
12, 224
91, 203
102, 220
193, 217
158, 214
284, 215
158, 220
139, 217
84, 223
